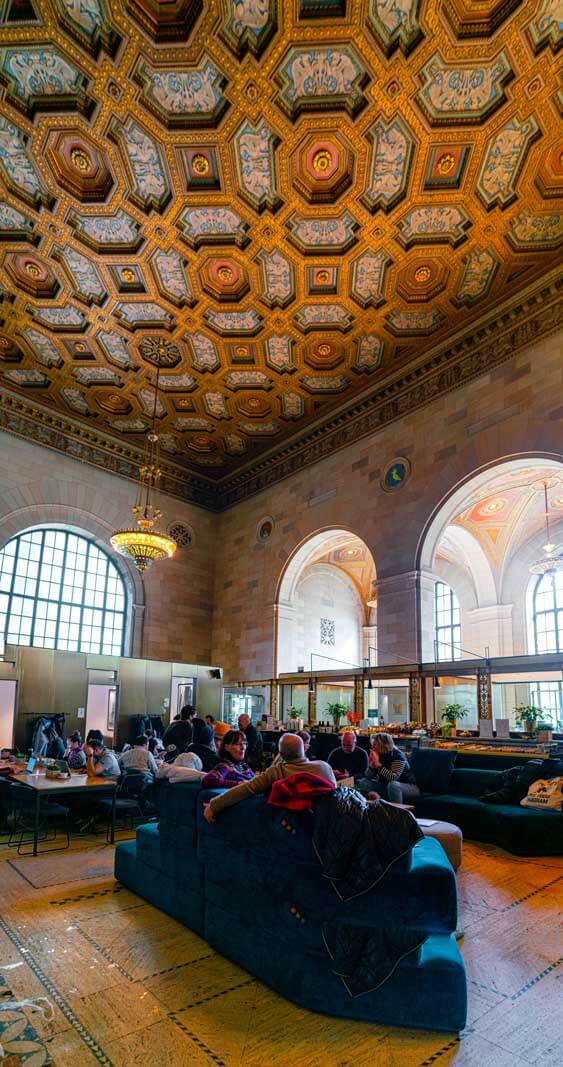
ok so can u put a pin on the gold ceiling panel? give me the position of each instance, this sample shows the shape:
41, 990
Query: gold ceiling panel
295, 200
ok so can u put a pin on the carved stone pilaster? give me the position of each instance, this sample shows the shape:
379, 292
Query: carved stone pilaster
415, 697
359, 695
312, 702
484, 693
138, 628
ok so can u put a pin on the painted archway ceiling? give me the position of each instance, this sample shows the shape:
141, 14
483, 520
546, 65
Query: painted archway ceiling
299, 197
509, 509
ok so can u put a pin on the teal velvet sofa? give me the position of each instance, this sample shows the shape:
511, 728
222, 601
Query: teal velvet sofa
522, 831
252, 886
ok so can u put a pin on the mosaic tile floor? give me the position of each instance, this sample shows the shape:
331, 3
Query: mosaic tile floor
131, 987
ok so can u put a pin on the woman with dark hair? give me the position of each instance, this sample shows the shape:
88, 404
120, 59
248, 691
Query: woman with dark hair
203, 745
74, 754
231, 768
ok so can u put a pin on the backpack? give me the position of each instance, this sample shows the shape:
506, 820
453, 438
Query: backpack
546, 794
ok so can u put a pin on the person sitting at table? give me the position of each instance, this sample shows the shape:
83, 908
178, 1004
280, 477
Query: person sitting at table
138, 758
94, 735
101, 762
231, 769
156, 748
7, 755
389, 775
293, 760
203, 744
74, 754
349, 760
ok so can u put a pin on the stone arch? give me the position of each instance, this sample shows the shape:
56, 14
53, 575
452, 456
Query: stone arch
322, 558
497, 619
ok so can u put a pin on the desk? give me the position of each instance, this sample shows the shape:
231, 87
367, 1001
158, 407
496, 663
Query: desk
52, 787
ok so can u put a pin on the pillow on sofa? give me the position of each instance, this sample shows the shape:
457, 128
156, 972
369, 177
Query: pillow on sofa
432, 768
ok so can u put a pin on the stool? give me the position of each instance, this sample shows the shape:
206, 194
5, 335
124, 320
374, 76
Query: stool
450, 838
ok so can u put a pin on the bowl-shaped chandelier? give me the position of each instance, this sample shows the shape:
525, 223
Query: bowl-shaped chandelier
144, 543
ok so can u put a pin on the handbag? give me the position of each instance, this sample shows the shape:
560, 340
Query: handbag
546, 794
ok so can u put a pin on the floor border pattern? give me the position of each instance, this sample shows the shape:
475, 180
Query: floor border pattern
90, 1042
534, 981
196, 1040
528, 896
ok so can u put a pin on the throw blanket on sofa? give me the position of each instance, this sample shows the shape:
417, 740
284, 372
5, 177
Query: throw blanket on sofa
298, 791
356, 844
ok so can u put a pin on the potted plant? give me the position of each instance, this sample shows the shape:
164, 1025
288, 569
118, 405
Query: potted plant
336, 711
527, 716
294, 721
452, 714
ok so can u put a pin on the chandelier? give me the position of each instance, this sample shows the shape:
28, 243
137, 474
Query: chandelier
144, 542
552, 560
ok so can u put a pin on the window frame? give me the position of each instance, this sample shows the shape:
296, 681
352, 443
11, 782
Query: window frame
554, 611
450, 627
92, 551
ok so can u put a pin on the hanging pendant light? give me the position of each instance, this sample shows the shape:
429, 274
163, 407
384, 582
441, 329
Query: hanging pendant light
552, 560
144, 543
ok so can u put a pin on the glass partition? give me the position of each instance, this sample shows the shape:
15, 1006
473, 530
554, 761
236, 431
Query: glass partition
387, 701
333, 693
293, 696
252, 700
542, 690
460, 690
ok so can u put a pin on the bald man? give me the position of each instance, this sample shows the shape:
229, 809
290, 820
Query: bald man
349, 759
293, 757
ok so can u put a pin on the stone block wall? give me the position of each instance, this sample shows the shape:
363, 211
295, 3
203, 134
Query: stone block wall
513, 411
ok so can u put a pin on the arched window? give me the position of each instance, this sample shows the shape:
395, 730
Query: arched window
547, 613
447, 622
59, 590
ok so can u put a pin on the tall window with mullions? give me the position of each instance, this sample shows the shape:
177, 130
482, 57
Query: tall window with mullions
59, 590
547, 613
448, 623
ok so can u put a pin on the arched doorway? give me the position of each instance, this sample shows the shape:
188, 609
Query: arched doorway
325, 606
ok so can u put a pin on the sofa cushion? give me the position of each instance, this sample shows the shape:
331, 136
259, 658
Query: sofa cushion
432, 768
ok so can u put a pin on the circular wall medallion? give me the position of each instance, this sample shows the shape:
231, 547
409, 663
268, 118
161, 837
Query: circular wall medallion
264, 529
322, 277
396, 474
225, 274
80, 159
200, 163
241, 351
33, 270
128, 275
181, 534
79, 346
445, 163
324, 350
422, 274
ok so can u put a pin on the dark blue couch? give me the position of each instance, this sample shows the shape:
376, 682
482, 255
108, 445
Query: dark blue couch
251, 884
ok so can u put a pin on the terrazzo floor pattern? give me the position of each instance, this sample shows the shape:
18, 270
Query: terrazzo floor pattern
130, 986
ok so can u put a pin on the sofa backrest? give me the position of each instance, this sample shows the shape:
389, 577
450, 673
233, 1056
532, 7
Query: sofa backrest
432, 768
473, 782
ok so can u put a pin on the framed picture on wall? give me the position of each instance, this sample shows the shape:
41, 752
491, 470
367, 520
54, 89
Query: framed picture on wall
112, 694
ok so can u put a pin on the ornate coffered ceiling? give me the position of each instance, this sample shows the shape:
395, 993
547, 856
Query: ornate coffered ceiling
304, 199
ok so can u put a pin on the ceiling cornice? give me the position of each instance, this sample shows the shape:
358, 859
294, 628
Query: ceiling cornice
534, 314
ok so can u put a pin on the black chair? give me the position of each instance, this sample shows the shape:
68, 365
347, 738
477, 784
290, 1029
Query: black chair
133, 804
22, 831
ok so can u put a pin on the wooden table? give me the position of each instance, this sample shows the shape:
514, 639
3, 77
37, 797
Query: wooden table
51, 787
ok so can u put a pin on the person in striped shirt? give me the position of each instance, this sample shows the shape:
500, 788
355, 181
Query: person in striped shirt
389, 774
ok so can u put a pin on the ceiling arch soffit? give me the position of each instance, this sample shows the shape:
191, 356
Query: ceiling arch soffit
474, 493
272, 192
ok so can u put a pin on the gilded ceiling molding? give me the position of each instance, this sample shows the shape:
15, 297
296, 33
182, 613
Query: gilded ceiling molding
494, 342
